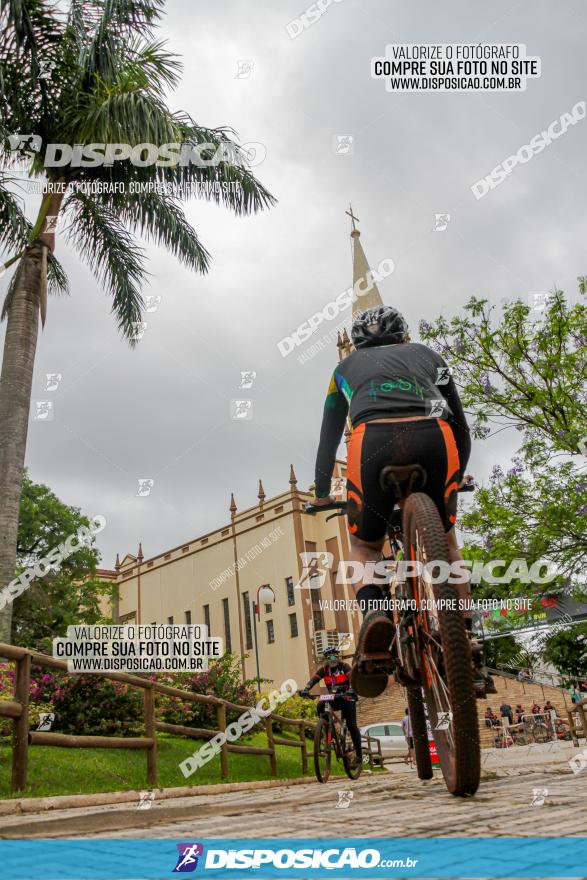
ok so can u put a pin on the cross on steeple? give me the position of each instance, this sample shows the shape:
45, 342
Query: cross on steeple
352, 216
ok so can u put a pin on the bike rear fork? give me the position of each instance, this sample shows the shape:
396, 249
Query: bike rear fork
408, 671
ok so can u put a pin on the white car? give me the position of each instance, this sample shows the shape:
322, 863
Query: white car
391, 737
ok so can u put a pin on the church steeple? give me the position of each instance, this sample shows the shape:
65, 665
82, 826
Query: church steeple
362, 280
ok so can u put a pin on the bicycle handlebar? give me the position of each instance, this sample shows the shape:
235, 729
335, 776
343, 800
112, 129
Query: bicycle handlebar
332, 505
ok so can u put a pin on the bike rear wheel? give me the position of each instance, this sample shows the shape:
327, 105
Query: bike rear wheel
541, 733
322, 750
352, 765
419, 732
444, 650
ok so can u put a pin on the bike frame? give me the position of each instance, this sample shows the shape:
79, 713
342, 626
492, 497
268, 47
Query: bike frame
336, 726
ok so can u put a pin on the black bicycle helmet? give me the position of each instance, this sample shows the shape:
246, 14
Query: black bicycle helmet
331, 653
381, 325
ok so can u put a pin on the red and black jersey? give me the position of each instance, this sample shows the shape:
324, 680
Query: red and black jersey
336, 679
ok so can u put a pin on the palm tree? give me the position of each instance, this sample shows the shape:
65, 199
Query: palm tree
91, 74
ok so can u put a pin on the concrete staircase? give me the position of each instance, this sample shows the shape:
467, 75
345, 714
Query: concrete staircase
390, 706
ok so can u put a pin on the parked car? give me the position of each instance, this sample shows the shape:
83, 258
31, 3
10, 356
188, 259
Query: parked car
391, 736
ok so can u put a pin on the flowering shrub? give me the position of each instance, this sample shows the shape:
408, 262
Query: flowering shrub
221, 680
45, 686
89, 704
6, 681
35, 711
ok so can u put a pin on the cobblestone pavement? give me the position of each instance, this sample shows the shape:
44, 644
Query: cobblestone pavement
522, 795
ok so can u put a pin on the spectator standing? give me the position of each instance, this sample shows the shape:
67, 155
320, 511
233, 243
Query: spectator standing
407, 729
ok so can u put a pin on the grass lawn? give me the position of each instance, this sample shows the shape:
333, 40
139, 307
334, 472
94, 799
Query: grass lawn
54, 771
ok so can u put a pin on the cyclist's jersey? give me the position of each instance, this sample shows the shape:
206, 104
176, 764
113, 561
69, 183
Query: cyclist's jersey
336, 679
387, 381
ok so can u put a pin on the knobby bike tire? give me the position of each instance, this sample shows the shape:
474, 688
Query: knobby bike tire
458, 747
419, 732
322, 746
352, 769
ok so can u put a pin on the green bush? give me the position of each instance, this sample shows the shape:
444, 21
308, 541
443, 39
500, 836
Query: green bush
35, 712
295, 707
91, 705
221, 680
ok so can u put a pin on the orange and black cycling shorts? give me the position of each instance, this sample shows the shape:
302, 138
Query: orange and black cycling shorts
427, 442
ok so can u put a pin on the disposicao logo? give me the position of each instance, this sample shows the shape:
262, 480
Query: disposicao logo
187, 859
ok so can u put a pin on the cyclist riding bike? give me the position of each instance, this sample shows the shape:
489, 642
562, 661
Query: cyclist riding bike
335, 675
404, 409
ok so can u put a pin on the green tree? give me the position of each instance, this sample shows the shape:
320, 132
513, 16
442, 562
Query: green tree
68, 594
505, 651
567, 651
93, 73
526, 371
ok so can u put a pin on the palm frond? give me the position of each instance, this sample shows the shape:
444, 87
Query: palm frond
151, 66
10, 294
56, 277
31, 32
108, 116
159, 218
14, 226
112, 255
113, 23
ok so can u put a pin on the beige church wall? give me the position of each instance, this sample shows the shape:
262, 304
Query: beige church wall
286, 657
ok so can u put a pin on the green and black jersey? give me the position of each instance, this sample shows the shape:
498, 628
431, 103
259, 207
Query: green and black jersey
387, 381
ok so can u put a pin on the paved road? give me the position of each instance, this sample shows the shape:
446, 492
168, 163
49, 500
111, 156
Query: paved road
394, 803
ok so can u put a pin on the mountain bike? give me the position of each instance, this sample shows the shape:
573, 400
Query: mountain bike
332, 734
430, 654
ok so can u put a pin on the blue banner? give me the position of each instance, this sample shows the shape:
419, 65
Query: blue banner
525, 857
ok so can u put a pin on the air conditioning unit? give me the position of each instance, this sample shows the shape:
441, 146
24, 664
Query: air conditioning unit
325, 639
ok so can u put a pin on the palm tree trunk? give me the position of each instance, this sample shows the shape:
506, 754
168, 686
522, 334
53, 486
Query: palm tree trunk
16, 382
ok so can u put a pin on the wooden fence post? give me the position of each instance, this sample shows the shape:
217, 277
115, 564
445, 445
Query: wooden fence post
303, 750
221, 723
151, 732
581, 709
271, 745
571, 717
20, 734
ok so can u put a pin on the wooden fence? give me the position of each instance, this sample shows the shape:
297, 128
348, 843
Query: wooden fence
17, 709
577, 722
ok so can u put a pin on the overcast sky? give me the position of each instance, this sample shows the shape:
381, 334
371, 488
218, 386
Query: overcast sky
162, 411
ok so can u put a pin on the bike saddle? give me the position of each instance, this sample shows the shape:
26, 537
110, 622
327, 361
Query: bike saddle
403, 479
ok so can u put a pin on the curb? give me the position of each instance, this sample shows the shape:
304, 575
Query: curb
71, 801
